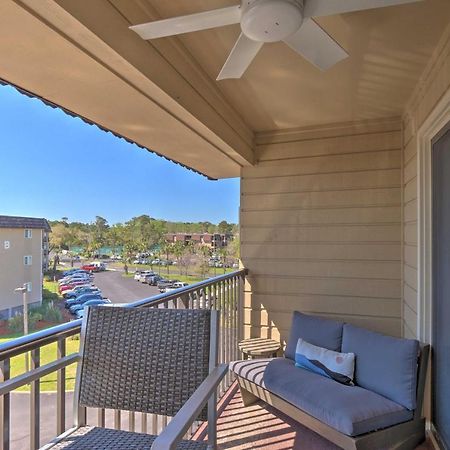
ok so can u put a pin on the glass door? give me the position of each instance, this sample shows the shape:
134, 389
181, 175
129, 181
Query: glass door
441, 286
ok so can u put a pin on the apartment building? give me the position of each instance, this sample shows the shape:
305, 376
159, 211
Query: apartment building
23, 258
214, 241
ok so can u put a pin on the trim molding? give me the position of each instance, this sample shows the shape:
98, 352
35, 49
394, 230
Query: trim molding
328, 130
435, 122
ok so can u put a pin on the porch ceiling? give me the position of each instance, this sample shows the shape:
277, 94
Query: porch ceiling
163, 94
388, 49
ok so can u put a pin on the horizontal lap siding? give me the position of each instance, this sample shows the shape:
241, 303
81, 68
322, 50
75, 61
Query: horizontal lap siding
321, 231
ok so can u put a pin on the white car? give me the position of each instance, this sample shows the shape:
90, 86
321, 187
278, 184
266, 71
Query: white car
143, 275
176, 285
136, 275
64, 280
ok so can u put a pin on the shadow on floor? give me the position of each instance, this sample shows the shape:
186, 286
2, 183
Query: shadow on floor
260, 426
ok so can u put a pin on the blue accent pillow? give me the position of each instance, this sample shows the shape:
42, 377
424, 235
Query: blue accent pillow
384, 364
328, 363
315, 330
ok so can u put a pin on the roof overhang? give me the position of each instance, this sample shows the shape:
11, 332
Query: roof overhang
69, 58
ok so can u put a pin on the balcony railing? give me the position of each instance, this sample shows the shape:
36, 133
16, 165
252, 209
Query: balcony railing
223, 292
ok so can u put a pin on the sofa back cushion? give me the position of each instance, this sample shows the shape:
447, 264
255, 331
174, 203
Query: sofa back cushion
315, 330
384, 364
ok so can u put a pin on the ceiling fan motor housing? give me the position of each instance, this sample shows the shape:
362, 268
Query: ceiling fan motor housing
271, 20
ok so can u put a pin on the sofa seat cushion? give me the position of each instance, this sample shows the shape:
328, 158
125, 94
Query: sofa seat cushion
352, 410
251, 369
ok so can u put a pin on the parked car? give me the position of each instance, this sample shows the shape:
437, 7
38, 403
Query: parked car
143, 274
93, 302
137, 273
73, 271
175, 286
74, 293
152, 280
70, 279
70, 293
71, 285
81, 299
76, 275
164, 284
94, 267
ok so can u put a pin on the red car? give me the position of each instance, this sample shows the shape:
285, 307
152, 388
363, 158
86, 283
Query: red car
66, 287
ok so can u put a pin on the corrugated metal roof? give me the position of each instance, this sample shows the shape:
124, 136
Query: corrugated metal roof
24, 222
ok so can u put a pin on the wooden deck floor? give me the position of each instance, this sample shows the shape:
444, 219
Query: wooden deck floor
262, 427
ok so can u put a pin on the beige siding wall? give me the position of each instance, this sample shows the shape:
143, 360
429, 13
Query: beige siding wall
13, 272
433, 85
321, 227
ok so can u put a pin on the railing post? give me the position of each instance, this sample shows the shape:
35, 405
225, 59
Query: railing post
240, 292
101, 417
61, 390
143, 423
35, 402
5, 368
117, 419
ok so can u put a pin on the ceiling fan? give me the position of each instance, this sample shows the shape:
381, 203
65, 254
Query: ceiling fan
262, 21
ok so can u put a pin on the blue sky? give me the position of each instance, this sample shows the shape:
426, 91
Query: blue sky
53, 165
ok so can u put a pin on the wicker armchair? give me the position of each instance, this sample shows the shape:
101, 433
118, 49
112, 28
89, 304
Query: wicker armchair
158, 361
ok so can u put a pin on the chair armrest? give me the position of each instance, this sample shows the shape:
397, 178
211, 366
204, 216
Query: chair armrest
180, 423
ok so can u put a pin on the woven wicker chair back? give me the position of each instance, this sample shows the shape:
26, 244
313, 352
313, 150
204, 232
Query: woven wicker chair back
144, 359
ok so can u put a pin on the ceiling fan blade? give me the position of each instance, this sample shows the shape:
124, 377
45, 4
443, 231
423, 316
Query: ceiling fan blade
316, 8
192, 22
316, 45
240, 58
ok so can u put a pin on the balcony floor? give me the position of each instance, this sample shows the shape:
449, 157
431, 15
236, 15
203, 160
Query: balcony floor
260, 426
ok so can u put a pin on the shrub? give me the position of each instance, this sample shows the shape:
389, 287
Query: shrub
52, 314
15, 324
47, 311
48, 296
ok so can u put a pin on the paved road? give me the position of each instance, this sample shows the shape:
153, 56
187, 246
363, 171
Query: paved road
118, 289
20, 424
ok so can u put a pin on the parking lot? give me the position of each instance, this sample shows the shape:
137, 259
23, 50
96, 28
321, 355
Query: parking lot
120, 289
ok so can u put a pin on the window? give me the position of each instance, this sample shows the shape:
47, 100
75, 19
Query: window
7, 245
28, 286
28, 234
27, 260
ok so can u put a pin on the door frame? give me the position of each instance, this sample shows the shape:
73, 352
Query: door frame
438, 119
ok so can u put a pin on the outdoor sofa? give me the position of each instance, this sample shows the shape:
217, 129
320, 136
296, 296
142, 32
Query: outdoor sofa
382, 410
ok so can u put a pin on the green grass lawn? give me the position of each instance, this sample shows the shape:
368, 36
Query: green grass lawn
51, 286
48, 354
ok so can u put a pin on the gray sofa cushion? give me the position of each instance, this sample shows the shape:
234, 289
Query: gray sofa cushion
384, 364
315, 330
251, 369
351, 410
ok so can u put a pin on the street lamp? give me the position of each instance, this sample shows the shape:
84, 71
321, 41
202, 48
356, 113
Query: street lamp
24, 290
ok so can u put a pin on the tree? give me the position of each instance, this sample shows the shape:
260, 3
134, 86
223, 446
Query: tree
100, 227
166, 250
205, 253
224, 227
223, 253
